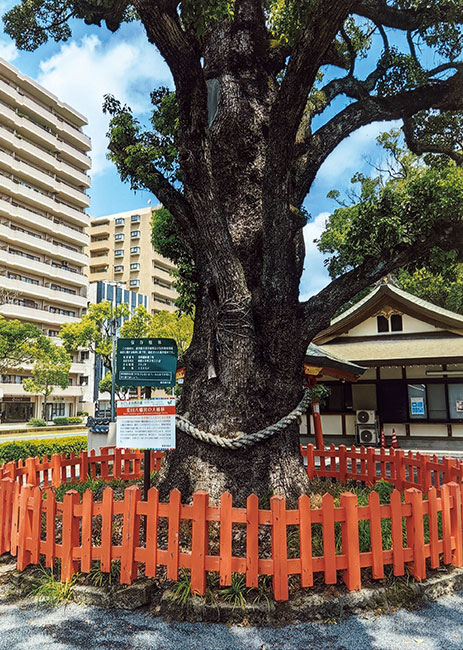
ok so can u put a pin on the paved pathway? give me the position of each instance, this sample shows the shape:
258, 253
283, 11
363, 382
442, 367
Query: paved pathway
25, 626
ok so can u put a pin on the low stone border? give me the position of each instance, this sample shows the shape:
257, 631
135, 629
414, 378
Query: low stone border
327, 607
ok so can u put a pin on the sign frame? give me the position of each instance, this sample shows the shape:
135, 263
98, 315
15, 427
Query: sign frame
146, 362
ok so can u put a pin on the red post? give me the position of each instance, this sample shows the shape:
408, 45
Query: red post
317, 423
199, 542
350, 541
279, 548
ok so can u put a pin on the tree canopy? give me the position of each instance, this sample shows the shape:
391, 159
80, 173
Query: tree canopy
402, 204
50, 370
20, 343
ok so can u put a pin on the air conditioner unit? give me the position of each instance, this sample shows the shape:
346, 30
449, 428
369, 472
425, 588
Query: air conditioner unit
367, 434
365, 417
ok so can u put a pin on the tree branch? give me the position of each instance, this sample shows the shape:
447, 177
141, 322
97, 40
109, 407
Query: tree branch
379, 11
419, 148
443, 95
318, 310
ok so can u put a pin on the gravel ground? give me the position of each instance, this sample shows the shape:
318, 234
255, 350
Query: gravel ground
26, 626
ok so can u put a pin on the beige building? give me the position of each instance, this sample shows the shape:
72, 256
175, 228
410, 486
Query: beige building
120, 250
43, 182
413, 354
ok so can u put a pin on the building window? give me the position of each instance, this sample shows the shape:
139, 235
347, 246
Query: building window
57, 410
134, 283
383, 324
396, 323
53, 333
455, 392
135, 266
55, 287
135, 218
119, 236
119, 222
135, 234
417, 402
83, 381
135, 250
119, 252
118, 269
437, 405
62, 312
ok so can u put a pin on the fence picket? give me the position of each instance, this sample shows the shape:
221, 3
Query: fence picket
225, 561
130, 535
106, 529
36, 520
173, 535
25, 528
151, 542
70, 535
252, 541
279, 548
455, 524
350, 541
329, 548
433, 528
50, 520
305, 540
199, 542
446, 528
397, 534
415, 533
377, 569
87, 519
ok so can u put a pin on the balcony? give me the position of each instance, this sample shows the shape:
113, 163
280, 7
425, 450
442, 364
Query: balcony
41, 246
27, 218
156, 305
36, 315
45, 293
42, 157
73, 134
28, 266
41, 180
23, 193
42, 135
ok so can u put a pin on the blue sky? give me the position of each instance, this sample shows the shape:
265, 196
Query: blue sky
95, 62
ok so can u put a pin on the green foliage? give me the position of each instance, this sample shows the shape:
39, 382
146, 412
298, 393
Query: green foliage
51, 369
37, 422
137, 325
19, 343
168, 241
82, 413
172, 326
319, 393
404, 208
50, 590
99, 578
22, 449
92, 484
235, 594
67, 420
94, 330
181, 591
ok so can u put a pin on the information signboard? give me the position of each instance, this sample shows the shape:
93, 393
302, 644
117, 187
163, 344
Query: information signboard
146, 424
146, 362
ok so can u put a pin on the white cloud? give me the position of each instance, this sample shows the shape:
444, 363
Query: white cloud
82, 72
315, 275
8, 51
349, 157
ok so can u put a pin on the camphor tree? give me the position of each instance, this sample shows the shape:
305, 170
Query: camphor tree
50, 370
232, 156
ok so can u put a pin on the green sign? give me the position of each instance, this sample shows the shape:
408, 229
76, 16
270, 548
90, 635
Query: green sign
146, 362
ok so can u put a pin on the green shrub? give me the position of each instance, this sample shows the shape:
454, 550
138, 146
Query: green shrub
82, 413
68, 420
22, 449
37, 422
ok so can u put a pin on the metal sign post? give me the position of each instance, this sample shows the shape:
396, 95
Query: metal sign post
149, 362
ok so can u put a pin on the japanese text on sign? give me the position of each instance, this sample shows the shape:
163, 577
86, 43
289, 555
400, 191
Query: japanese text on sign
146, 362
146, 424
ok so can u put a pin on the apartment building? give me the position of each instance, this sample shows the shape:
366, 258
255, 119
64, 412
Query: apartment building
43, 181
120, 250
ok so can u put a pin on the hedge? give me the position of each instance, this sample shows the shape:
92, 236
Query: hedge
68, 420
22, 449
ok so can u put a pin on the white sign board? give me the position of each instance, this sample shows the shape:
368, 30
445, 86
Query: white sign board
146, 424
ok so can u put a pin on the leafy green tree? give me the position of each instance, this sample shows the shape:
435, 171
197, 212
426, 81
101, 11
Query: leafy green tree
94, 330
19, 343
50, 370
138, 324
175, 326
427, 188
265, 90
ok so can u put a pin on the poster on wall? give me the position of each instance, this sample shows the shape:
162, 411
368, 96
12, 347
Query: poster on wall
417, 405
459, 406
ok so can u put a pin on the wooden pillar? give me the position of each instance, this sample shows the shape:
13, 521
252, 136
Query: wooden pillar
317, 420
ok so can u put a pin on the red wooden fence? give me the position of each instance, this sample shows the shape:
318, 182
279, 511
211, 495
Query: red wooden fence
33, 527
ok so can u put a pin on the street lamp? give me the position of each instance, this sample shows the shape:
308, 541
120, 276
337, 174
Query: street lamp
113, 330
